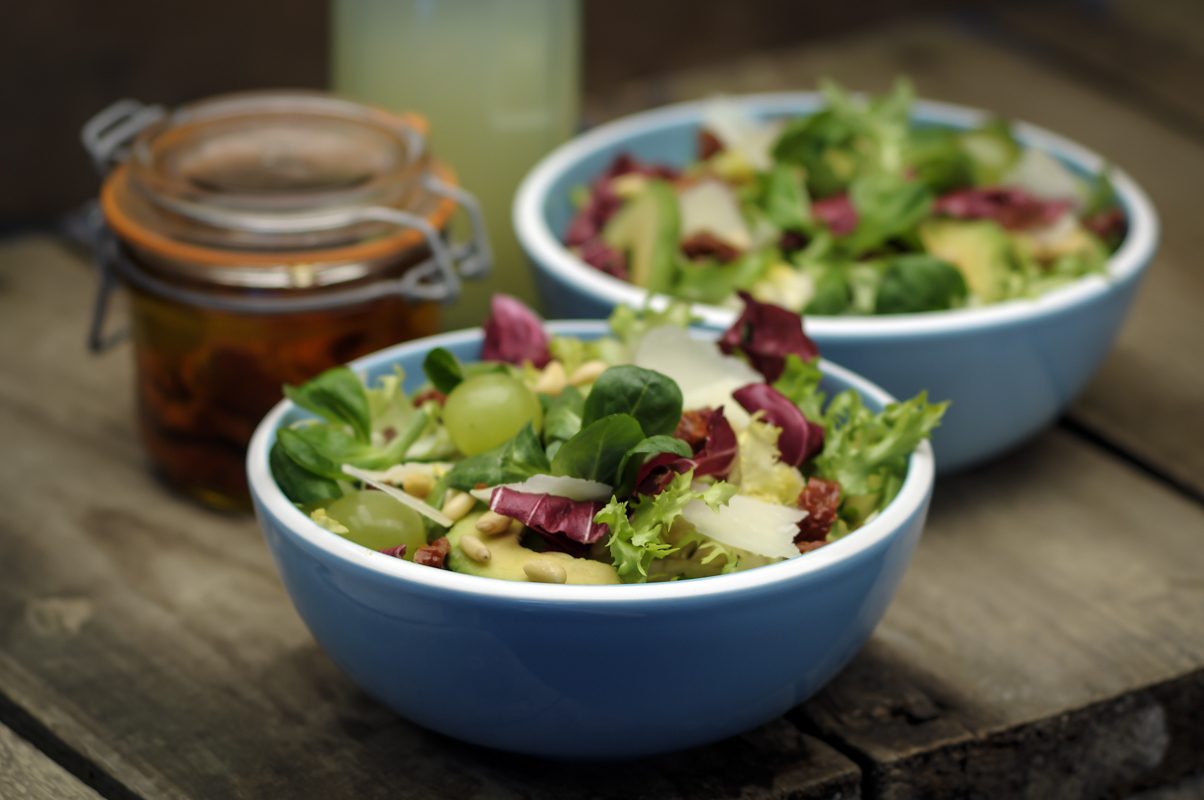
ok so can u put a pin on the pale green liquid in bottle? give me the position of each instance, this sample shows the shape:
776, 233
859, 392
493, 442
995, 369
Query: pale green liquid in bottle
498, 81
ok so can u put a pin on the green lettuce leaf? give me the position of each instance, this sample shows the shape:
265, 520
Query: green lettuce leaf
562, 415
596, 451
443, 369
337, 396
652, 398
919, 282
299, 485
887, 206
514, 461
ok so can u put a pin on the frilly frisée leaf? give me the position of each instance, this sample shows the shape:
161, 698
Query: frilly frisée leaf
639, 539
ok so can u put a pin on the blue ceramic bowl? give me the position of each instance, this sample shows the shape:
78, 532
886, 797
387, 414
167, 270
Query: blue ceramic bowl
1010, 369
585, 672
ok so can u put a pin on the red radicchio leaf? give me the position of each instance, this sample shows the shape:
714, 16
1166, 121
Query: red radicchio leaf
627, 164
1012, 208
514, 334
821, 500
433, 554
601, 256
800, 437
1108, 225
837, 212
767, 334
590, 219
585, 229
563, 522
714, 453
657, 472
718, 451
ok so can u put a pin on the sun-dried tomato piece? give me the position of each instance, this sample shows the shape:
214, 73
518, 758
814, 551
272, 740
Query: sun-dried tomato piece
397, 552
426, 395
708, 144
692, 428
706, 245
433, 554
790, 241
820, 499
807, 547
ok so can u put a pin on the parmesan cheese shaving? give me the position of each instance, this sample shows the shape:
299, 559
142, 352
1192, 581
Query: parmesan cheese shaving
426, 510
555, 485
766, 529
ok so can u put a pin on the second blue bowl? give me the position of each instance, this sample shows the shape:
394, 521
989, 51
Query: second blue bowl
1009, 369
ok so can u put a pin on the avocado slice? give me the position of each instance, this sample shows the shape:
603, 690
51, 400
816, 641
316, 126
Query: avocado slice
647, 229
979, 248
992, 151
507, 557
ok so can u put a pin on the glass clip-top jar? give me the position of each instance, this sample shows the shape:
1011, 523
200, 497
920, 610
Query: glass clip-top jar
264, 237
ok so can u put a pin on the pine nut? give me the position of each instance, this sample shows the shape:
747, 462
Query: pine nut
417, 484
544, 572
587, 372
552, 380
474, 548
457, 504
492, 523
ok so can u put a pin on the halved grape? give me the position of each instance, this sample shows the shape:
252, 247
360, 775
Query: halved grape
487, 410
378, 521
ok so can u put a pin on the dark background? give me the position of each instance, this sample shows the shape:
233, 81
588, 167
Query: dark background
63, 60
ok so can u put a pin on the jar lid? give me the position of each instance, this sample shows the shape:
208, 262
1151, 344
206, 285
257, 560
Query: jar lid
265, 178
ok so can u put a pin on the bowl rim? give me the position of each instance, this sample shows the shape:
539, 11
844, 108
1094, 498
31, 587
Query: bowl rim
546, 249
270, 500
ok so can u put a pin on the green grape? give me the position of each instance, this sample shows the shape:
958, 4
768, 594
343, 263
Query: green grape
378, 521
488, 410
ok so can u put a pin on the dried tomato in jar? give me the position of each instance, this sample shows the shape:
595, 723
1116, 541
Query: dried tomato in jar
264, 237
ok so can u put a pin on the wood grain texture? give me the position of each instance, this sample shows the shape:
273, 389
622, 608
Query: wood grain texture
1048, 639
154, 638
1152, 52
27, 774
1148, 394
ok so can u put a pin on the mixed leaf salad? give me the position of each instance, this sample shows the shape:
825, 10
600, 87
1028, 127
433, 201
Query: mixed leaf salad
852, 210
646, 455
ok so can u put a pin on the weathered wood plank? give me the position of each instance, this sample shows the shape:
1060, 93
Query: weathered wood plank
1151, 52
27, 773
154, 638
1147, 396
1048, 640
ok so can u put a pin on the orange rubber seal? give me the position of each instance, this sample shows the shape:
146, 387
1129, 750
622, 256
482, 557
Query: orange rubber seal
157, 244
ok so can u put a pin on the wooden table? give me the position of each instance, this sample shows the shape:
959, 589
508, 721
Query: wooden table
1048, 640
